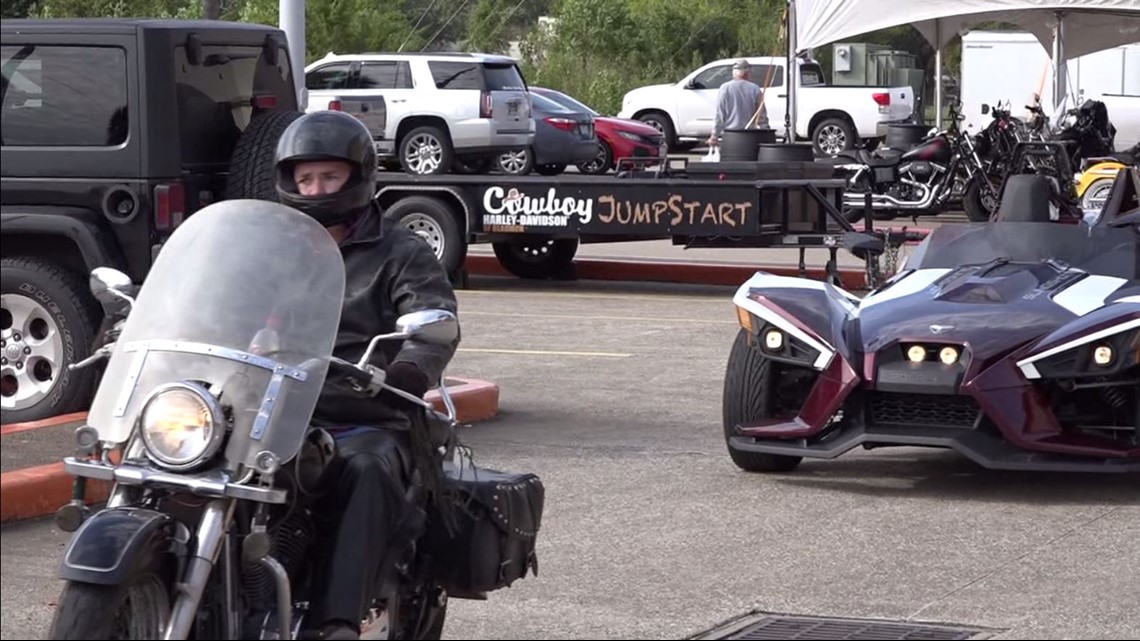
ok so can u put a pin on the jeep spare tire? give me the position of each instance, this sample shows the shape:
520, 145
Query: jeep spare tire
251, 166
46, 323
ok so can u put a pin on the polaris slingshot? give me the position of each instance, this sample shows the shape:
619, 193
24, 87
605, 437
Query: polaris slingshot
1015, 342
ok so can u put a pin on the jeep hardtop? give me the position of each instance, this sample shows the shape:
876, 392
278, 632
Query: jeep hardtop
113, 131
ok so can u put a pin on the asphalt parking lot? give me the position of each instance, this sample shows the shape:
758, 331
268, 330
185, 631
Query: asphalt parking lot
611, 392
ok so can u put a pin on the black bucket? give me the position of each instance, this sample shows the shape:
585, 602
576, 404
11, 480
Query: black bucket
785, 152
744, 144
905, 136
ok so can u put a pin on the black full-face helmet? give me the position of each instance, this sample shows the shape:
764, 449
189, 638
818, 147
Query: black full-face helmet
328, 135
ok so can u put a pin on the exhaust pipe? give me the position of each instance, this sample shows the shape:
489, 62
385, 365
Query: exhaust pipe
885, 201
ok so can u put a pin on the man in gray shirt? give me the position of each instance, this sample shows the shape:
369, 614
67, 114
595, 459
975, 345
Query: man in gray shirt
736, 103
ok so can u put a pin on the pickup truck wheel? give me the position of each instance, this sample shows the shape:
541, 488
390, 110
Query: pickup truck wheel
832, 136
427, 150
664, 124
436, 223
537, 259
750, 393
46, 323
252, 174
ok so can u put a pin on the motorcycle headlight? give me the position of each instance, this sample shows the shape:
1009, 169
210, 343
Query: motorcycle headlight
182, 425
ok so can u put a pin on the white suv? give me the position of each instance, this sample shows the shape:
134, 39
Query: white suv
441, 107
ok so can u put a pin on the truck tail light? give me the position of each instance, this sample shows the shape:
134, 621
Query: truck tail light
883, 100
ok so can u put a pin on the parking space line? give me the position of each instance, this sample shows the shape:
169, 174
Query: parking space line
616, 318
541, 352
620, 296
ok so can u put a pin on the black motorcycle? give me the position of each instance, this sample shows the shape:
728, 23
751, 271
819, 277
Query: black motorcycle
201, 424
921, 181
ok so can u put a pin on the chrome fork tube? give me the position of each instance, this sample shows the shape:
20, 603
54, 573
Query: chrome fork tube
211, 533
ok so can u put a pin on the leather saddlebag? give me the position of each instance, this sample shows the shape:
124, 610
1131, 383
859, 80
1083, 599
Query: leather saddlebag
496, 520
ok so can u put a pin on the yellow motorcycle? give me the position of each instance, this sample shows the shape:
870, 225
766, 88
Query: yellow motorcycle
1095, 179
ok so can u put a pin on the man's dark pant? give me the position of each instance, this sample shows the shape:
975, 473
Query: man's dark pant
364, 500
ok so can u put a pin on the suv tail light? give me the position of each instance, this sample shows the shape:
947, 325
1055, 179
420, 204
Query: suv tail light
565, 124
169, 206
486, 104
334, 104
883, 100
265, 102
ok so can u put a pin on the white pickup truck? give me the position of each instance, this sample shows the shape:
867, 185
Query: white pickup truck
833, 118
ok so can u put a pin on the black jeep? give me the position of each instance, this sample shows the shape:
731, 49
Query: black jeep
113, 131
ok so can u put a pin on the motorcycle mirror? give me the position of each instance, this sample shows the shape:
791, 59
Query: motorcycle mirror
109, 285
430, 325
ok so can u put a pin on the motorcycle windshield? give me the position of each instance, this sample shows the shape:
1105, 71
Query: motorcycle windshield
1099, 250
245, 299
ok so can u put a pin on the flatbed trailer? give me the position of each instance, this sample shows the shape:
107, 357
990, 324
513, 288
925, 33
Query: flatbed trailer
536, 223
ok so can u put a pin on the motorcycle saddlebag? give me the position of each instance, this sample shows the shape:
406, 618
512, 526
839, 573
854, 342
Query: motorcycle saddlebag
497, 517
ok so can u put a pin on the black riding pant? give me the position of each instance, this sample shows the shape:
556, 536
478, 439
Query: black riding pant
364, 501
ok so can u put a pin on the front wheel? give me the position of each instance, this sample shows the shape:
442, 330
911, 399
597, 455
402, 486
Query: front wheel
137, 609
751, 391
978, 201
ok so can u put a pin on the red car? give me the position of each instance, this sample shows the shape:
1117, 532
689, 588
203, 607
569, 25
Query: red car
617, 137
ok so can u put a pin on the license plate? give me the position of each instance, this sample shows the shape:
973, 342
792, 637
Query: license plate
513, 108
584, 130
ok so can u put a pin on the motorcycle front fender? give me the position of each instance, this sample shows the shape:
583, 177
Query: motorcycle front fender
105, 548
1098, 171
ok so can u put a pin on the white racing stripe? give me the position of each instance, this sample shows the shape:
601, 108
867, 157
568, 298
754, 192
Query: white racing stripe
1088, 294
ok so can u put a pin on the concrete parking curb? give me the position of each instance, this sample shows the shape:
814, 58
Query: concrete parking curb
688, 273
41, 490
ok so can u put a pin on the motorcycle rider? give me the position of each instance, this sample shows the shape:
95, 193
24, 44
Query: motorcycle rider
325, 166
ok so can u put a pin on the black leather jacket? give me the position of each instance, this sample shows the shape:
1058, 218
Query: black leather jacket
389, 272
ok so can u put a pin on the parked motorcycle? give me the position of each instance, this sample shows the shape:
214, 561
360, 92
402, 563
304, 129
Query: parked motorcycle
920, 182
202, 424
994, 146
1095, 180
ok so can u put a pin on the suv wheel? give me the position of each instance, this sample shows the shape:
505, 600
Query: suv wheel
426, 150
516, 163
46, 324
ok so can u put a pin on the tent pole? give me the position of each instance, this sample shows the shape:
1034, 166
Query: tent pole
291, 19
938, 74
793, 76
1060, 68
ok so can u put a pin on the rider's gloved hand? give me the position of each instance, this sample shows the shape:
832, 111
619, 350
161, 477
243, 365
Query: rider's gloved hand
407, 377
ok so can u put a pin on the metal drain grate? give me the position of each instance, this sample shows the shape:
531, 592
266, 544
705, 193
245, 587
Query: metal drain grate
792, 627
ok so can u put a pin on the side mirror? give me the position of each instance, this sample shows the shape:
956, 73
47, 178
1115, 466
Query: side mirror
985, 108
110, 285
430, 325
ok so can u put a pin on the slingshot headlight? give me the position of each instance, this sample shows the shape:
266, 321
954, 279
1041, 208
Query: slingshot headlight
916, 353
773, 339
181, 425
1102, 355
948, 355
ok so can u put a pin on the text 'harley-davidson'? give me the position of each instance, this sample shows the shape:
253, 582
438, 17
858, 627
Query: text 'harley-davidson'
201, 424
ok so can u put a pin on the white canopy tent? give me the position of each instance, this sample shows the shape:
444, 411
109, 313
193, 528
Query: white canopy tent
1070, 28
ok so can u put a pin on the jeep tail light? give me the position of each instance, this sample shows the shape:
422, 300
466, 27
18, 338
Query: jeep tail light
265, 102
882, 99
486, 104
565, 124
169, 206
334, 105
